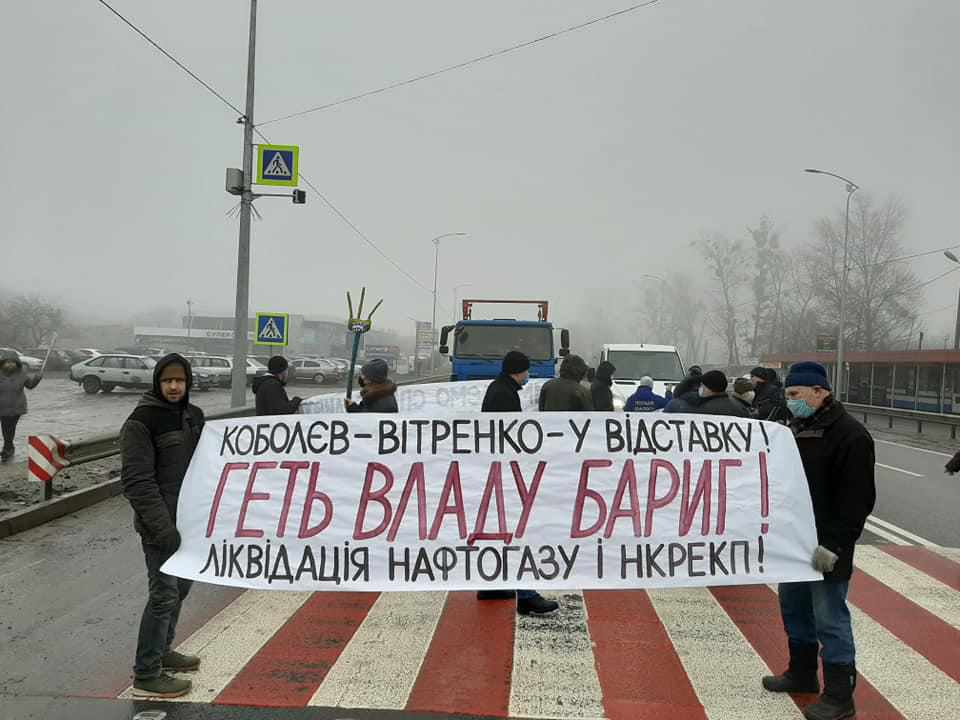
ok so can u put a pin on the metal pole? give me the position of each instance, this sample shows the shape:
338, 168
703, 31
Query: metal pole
189, 318
433, 324
956, 332
242, 313
843, 296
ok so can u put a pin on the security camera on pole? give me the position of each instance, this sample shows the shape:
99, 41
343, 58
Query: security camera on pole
276, 165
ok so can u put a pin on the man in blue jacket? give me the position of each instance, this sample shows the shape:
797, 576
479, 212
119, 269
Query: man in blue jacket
644, 399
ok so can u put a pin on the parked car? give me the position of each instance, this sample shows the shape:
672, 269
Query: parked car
218, 369
59, 359
29, 362
106, 372
82, 354
315, 370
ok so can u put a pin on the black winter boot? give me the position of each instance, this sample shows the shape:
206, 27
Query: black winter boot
800, 675
836, 703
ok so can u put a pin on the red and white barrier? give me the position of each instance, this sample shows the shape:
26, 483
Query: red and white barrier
46, 456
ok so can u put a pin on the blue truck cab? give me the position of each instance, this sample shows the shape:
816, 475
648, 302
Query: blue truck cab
479, 345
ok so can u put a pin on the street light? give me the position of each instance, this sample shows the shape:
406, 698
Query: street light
436, 275
852, 187
956, 329
456, 298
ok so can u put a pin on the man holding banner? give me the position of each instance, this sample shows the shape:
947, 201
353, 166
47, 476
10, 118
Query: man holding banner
838, 458
503, 395
157, 443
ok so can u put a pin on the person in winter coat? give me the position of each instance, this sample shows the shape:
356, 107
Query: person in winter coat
713, 398
156, 444
838, 459
743, 395
691, 383
600, 386
769, 402
271, 392
953, 465
567, 392
503, 395
13, 399
644, 399
378, 394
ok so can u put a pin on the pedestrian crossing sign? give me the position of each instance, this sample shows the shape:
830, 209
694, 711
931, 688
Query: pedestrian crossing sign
278, 165
272, 329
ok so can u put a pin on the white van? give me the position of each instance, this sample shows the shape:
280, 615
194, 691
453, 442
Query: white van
660, 362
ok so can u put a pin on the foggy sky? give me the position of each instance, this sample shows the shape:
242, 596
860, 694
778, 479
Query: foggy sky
575, 164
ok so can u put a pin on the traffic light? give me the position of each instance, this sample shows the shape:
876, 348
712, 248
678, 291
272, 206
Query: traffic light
299, 197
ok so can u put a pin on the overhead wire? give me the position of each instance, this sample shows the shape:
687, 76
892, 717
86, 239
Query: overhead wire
339, 213
466, 63
172, 59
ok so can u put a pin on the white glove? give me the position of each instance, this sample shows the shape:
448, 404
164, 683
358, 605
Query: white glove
824, 560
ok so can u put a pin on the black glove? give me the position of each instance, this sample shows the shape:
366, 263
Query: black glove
169, 540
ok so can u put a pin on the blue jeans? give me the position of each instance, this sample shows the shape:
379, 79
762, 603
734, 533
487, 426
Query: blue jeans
817, 612
158, 626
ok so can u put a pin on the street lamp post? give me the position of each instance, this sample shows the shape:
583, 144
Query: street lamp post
852, 187
956, 331
436, 275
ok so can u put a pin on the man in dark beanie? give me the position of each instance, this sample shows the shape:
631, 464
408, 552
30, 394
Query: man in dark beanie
503, 395
156, 445
838, 458
711, 399
270, 390
690, 383
378, 393
567, 393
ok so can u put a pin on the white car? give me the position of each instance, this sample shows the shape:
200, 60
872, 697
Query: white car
106, 372
30, 363
634, 361
218, 370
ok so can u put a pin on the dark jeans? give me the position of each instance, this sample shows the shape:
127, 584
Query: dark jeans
9, 425
158, 626
817, 612
526, 594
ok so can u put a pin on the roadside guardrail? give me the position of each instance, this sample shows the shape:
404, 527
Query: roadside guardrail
919, 416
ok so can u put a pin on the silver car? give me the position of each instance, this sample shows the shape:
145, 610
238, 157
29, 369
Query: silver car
315, 370
219, 369
106, 372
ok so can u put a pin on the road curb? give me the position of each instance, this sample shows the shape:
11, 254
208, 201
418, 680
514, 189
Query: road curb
35, 515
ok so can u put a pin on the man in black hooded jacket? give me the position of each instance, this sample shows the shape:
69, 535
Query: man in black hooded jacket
157, 443
600, 387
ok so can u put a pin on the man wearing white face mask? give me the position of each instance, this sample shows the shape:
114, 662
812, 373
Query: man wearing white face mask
838, 458
743, 394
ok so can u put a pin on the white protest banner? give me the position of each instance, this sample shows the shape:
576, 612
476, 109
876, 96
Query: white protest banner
494, 501
430, 398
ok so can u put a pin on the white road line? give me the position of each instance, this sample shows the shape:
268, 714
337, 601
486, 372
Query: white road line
910, 682
903, 533
554, 671
899, 470
927, 592
237, 633
380, 664
722, 666
911, 447
889, 537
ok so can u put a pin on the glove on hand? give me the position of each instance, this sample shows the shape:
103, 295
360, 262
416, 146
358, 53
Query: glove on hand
169, 540
824, 560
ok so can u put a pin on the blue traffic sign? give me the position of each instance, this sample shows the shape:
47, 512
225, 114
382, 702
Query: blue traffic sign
272, 329
278, 165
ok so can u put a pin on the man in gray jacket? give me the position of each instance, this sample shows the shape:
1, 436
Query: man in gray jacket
13, 399
157, 443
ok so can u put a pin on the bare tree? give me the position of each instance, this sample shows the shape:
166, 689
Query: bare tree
29, 320
882, 295
767, 281
726, 260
